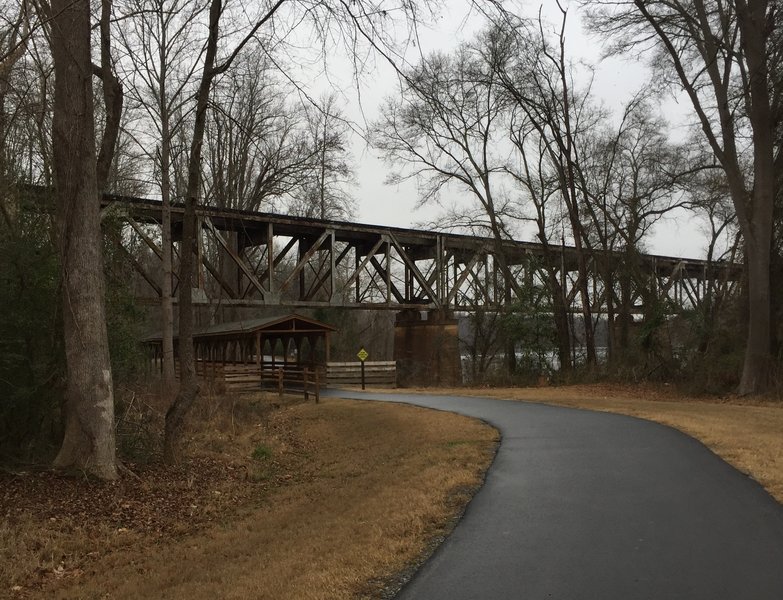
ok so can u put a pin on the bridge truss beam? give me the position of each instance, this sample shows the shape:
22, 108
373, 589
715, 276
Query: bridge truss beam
260, 259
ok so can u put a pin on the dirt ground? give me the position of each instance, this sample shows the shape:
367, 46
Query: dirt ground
333, 500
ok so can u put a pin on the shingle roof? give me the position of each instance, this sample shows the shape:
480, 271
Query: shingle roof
278, 324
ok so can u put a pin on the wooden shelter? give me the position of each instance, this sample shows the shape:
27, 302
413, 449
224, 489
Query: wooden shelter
238, 351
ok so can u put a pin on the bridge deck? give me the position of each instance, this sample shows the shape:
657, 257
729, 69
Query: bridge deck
253, 258
252, 229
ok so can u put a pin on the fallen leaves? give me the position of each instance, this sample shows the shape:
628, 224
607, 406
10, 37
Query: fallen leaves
160, 496
57, 524
320, 496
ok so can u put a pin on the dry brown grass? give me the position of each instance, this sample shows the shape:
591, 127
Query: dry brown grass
352, 493
746, 433
349, 495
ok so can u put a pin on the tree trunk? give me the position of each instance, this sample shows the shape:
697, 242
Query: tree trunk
611, 340
166, 300
756, 367
188, 389
112, 98
567, 146
626, 316
89, 410
175, 416
584, 293
560, 315
756, 223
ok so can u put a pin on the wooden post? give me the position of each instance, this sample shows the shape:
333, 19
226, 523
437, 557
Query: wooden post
304, 383
280, 382
317, 391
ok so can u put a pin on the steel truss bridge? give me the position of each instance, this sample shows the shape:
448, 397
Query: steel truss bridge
261, 259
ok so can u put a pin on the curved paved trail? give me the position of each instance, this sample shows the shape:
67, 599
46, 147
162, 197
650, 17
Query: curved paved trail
595, 506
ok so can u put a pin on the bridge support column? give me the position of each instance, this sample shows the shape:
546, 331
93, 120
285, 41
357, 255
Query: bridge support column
426, 349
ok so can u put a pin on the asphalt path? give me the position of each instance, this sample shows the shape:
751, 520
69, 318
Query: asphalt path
595, 506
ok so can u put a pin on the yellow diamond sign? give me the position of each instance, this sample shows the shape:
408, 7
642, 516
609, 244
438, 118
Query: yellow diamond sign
362, 354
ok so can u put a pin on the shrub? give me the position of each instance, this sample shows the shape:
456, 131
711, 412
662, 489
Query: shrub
32, 357
262, 453
32, 362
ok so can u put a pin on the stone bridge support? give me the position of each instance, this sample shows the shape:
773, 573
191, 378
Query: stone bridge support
426, 348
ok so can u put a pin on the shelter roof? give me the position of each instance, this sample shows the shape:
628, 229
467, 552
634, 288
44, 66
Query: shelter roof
286, 324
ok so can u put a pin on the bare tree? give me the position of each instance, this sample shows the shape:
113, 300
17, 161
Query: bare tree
710, 199
723, 56
326, 194
537, 74
10, 46
164, 57
443, 130
25, 99
256, 152
446, 129
112, 98
634, 178
482, 342
351, 22
89, 421
188, 390
531, 169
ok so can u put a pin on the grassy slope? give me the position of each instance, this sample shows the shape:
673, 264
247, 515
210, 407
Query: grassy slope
343, 498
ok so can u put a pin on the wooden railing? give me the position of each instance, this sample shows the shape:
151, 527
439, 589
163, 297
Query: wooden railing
292, 379
237, 377
241, 377
377, 372
250, 377
305, 379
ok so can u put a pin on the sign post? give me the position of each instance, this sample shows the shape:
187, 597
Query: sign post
362, 355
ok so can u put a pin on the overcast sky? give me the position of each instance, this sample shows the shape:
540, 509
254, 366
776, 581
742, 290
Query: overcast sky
615, 81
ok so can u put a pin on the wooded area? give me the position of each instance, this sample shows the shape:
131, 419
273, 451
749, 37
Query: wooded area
194, 102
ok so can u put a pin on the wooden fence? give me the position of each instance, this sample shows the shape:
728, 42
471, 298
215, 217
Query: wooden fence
250, 377
241, 377
378, 372
237, 377
301, 380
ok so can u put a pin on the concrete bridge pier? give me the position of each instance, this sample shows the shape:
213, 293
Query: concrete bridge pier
426, 348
